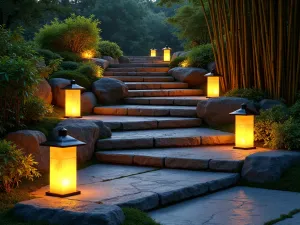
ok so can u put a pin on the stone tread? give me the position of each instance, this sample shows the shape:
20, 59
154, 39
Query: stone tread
135, 74
145, 110
143, 79
155, 85
130, 65
180, 137
139, 69
177, 100
216, 158
165, 92
142, 123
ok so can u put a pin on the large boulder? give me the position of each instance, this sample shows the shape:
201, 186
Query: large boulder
58, 93
44, 91
268, 104
110, 59
268, 166
215, 111
83, 130
192, 76
124, 59
88, 102
109, 90
101, 62
29, 141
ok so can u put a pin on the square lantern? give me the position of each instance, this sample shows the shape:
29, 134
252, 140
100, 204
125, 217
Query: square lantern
167, 54
244, 128
73, 100
213, 84
153, 52
63, 165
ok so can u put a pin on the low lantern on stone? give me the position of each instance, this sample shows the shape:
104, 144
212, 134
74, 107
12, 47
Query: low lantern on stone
73, 100
153, 52
213, 84
63, 164
244, 128
88, 54
167, 54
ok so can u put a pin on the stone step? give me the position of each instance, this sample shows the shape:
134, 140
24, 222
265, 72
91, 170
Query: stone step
143, 123
185, 101
155, 85
165, 92
130, 65
180, 137
133, 74
143, 79
139, 69
215, 158
143, 188
144, 110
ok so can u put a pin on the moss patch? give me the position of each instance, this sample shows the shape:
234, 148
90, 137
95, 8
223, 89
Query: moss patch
137, 217
283, 217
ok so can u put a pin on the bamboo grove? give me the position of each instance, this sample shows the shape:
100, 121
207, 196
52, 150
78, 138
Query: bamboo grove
256, 44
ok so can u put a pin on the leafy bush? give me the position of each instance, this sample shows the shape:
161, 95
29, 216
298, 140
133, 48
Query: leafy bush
71, 56
200, 56
249, 93
176, 62
35, 109
73, 75
69, 65
48, 55
112, 49
74, 34
91, 71
14, 166
295, 110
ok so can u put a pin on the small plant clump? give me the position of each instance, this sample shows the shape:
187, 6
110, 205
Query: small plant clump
176, 62
112, 49
255, 95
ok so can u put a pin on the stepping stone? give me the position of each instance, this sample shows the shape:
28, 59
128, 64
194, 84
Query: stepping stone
180, 137
179, 100
126, 65
144, 110
155, 85
143, 79
142, 122
151, 189
165, 92
216, 158
238, 205
139, 69
126, 73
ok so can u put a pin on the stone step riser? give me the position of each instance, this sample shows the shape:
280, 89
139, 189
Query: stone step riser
145, 86
131, 64
145, 101
139, 69
164, 93
133, 74
145, 112
142, 79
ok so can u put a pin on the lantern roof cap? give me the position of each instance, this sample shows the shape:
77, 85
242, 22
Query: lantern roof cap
63, 140
73, 86
166, 48
213, 73
153, 49
244, 110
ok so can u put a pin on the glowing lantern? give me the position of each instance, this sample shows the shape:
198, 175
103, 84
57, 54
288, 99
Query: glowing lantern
73, 100
88, 54
153, 52
213, 84
63, 165
244, 128
167, 54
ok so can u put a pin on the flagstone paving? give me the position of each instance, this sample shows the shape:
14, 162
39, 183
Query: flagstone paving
235, 206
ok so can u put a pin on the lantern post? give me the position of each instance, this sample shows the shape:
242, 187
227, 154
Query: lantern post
213, 84
167, 54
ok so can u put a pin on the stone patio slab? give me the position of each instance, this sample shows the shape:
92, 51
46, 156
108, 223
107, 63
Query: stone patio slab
235, 206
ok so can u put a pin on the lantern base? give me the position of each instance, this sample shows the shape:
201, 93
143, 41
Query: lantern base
248, 148
48, 193
73, 117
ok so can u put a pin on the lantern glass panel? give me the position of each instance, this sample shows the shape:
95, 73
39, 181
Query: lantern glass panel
213, 86
153, 53
167, 55
63, 178
73, 103
244, 131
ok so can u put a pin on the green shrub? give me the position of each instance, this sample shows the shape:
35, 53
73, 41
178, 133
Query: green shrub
74, 34
35, 109
91, 71
295, 110
200, 56
112, 49
15, 166
71, 56
176, 62
249, 93
48, 55
73, 75
69, 65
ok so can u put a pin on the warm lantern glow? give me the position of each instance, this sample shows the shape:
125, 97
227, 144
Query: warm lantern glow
88, 54
63, 174
73, 103
184, 63
244, 131
213, 86
167, 54
153, 52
